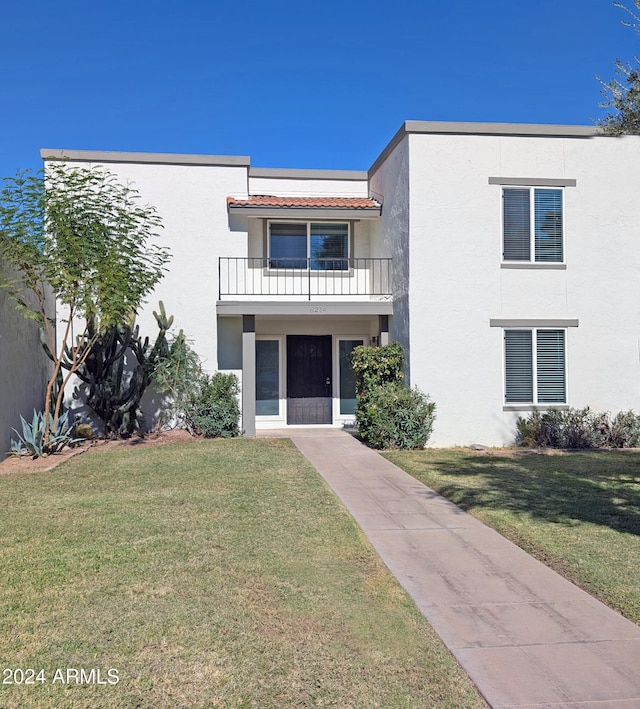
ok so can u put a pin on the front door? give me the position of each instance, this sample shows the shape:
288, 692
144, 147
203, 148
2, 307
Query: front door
308, 379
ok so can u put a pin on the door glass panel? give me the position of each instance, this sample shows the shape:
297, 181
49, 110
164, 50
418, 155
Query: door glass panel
267, 378
347, 377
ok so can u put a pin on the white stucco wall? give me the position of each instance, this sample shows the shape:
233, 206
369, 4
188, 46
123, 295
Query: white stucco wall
457, 284
191, 199
24, 370
390, 235
332, 186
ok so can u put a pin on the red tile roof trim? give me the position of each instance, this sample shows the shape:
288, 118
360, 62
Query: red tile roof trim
330, 202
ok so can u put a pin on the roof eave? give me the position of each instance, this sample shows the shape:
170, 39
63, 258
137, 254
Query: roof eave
348, 213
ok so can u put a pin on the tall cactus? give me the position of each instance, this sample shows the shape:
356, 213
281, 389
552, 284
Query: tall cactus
114, 391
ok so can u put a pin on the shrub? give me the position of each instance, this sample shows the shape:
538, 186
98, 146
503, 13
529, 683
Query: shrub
213, 409
377, 365
178, 375
84, 431
389, 414
32, 439
394, 416
579, 428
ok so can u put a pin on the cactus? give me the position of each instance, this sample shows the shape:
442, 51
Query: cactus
112, 391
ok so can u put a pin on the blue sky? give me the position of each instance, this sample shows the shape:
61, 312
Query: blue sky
292, 84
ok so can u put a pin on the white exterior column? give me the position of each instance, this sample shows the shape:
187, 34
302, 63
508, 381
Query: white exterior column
249, 375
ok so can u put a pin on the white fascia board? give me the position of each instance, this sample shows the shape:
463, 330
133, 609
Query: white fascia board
311, 308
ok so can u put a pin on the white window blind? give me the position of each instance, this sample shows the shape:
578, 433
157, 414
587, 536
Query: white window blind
532, 225
548, 225
518, 369
550, 363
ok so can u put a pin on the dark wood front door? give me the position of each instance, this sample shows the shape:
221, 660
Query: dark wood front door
309, 379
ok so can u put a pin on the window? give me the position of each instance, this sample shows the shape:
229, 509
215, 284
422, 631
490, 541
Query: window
267, 377
532, 225
316, 246
347, 376
535, 369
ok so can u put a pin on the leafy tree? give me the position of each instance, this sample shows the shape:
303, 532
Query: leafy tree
623, 92
80, 234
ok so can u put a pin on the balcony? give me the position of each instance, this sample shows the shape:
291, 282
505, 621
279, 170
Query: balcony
305, 279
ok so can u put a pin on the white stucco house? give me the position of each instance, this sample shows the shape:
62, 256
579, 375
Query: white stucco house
505, 258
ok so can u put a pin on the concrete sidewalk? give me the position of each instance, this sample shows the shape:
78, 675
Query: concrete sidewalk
526, 636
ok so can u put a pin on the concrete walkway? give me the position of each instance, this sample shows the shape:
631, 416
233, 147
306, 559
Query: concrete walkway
526, 636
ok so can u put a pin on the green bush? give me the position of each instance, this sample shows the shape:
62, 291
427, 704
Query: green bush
377, 365
213, 410
178, 375
389, 414
579, 428
84, 431
394, 416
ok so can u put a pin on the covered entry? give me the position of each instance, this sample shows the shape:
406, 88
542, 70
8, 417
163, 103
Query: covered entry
296, 364
309, 371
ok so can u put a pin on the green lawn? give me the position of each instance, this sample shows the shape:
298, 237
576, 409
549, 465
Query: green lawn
577, 512
208, 574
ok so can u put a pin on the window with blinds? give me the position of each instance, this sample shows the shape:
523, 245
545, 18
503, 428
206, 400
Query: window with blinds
535, 366
532, 224
316, 246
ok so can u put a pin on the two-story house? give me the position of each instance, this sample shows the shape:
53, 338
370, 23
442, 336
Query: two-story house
503, 257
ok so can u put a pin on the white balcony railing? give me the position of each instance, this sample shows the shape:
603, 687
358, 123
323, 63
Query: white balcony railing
305, 278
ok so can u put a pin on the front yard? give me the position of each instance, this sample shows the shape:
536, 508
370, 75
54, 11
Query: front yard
216, 573
578, 512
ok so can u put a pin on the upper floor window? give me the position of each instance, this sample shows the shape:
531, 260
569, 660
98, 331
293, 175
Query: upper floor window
532, 224
309, 245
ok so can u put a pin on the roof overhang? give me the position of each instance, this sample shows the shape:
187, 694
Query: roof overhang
267, 207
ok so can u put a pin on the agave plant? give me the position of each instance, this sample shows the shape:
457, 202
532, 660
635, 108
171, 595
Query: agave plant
31, 441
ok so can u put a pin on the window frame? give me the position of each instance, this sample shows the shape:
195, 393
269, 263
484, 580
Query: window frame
535, 371
309, 258
281, 369
532, 261
337, 416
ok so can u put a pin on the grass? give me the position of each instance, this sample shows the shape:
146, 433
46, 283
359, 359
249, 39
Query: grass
577, 512
209, 574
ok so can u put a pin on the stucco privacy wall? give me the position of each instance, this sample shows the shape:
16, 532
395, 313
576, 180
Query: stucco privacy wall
24, 369
191, 200
457, 281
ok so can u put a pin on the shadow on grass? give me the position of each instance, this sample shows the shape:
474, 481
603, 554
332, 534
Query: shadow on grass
601, 488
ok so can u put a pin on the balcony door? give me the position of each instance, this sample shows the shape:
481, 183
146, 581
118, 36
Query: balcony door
309, 387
